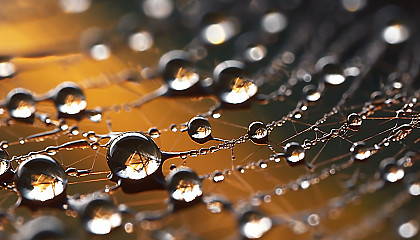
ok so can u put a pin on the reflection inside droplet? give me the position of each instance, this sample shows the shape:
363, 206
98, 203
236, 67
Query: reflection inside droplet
70, 99
408, 229
334, 79
184, 184
294, 152
241, 91
184, 79
140, 41
395, 34
353, 5
100, 52
274, 22
100, 216
258, 133
360, 151
254, 225
199, 129
20, 103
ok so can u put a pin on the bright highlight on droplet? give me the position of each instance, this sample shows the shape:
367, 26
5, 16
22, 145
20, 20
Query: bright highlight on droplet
100, 52
353, 5
140, 41
7, 69
184, 79
408, 229
219, 33
395, 34
74, 6
255, 54
414, 189
158, 9
254, 225
242, 90
274, 22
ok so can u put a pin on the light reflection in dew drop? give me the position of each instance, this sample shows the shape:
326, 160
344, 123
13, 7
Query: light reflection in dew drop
74, 6
184, 79
4, 163
395, 34
199, 129
140, 41
40, 178
219, 33
256, 53
100, 52
100, 216
408, 229
391, 171
353, 5
20, 103
294, 152
241, 91
69, 99
183, 184
360, 151
354, 121
7, 69
215, 206
254, 225
313, 219
218, 176
133, 155
274, 22
158, 9
334, 78
258, 133
311, 93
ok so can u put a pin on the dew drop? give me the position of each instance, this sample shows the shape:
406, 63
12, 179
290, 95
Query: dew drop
95, 116
255, 53
294, 152
219, 32
354, 121
414, 189
69, 98
408, 229
158, 9
7, 69
140, 41
74, 6
154, 132
313, 219
274, 22
4, 144
332, 72
311, 93
100, 216
20, 103
100, 52
390, 170
299, 227
253, 224
44, 227
199, 129
258, 133
183, 184
173, 128
133, 155
215, 206
218, 176
360, 151
40, 178
395, 33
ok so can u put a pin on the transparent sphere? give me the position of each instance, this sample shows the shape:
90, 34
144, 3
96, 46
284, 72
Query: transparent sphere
69, 98
133, 155
258, 133
311, 93
20, 103
43, 228
331, 71
40, 178
100, 216
199, 129
395, 33
183, 184
4, 162
354, 121
176, 69
390, 170
294, 152
253, 224
360, 151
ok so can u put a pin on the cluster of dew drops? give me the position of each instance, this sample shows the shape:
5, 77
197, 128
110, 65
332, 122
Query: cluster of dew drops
288, 48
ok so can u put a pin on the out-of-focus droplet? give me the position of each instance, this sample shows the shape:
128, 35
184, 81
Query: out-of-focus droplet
360, 151
69, 99
40, 178
158, 9
254, 225
258, 133
183, 184
199, 129
133, 155
242, 90
274, 22
255, 53
218, 176
44, 227
220, 32
312, 94
95, 116
100, 52
331, 70
354, 121
74, 6
390, 170
353, 5
100, 216
294, 152
7, 69
313, 219
395, 33
20, 103
4, 162
414, 189
140, 41
408, 229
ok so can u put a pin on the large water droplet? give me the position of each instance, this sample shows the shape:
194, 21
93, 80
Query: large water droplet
40, 178
199, 129
258, 133
390, 170
100, 216
395, 33
133, 155
219, 32
360, 151
294, 152
183, 184
20, 103
254, 225
354, 121
69, 98
4, 163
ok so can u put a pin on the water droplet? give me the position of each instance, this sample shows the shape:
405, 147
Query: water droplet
255, 53
40, 178
353, 5
172, 167
313, 219
69, 99
354, 121
360, 151
4, 162
176, 68
218, 176
240, 169
311, 93
395, 33
133, 155
100, 52
173, 128
100, 216
408, 229
183, 184
44, 227
263, 164
154, 132
219, 32
294, 152
74, 6
414, 189
95, 116
199, 129
258, 133
299, 227
20, 103
140, 41
253, 224
158, 9
390, 170
4, 144
305, 184
274, 22
129, 227
215, 206
74, 131
7, 69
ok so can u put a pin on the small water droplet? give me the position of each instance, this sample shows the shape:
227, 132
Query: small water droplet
354, 121
173, 128
20, 103
218, 176
294, 152
40, 178
140, 41
414, 189
7, 69
311, 93
258, 133
133, 155
100, 216
390, 170
4, 163
74, 6
215, 206
154, 132
158, 9
274, 22
313, 219
4, 144
199, 129
240, 169
253, 224
69, 98
183, 184
360, 151
95, 116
